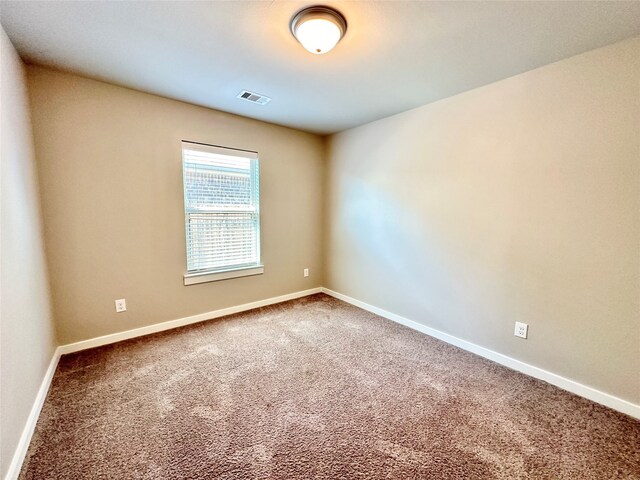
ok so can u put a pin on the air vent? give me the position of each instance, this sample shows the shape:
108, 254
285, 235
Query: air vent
253, 97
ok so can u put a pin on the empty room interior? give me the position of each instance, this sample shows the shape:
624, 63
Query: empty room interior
348, 240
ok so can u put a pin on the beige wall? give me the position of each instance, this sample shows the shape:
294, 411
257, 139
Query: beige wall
111, 177
27, 337
518, 201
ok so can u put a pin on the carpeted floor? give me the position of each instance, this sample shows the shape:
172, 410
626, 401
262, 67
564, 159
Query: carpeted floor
315, 389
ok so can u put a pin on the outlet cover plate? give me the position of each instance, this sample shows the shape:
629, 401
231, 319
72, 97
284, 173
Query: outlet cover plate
121, 305
521, 330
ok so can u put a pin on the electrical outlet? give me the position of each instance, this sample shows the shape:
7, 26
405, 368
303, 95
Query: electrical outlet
305, 272
521, 330
121, 305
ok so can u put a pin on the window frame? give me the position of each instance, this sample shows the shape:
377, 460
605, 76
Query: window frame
192, 277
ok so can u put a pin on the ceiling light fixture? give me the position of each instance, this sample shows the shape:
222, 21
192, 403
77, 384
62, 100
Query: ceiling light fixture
318, 28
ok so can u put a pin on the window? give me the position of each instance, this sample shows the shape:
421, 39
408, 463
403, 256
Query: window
222, 212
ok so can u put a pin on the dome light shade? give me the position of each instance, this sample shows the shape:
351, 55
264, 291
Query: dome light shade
318, 28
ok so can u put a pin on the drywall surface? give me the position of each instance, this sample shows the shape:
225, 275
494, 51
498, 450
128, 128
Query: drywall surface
110, 171
27, 335
518, 201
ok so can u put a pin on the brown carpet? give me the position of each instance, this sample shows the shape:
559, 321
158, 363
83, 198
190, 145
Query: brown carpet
315, 389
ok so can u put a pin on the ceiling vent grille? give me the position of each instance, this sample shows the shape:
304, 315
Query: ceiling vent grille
253, 97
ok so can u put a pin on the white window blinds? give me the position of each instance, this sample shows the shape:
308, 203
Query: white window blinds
222, 208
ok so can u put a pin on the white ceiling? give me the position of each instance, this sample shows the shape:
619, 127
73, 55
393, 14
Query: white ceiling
395, 55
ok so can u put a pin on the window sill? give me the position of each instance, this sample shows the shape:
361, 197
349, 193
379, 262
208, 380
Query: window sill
203, 277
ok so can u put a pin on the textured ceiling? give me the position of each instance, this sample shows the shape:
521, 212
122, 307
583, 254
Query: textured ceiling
395, 55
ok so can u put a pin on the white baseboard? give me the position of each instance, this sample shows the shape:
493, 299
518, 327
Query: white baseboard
32, 419
180, 322
572, 386
27, 433
552, 378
